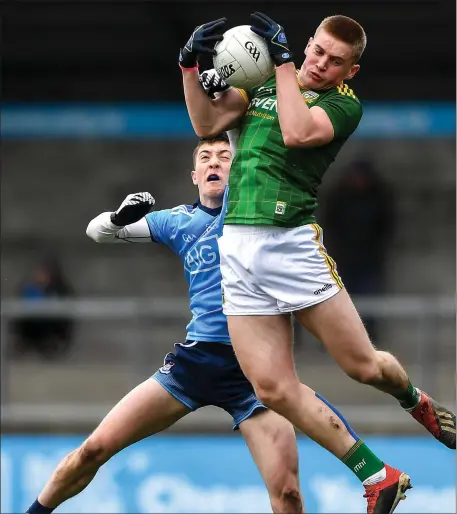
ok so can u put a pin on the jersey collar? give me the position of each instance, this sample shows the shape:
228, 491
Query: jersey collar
212, 212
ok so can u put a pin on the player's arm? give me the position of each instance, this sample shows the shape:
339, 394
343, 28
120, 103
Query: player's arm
209, 116
215, 86
127, 224
301, 126
336, 116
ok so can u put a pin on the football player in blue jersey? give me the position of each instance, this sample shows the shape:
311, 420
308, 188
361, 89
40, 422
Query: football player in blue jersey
203, 369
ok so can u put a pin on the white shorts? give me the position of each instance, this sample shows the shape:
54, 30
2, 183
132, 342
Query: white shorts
269, 270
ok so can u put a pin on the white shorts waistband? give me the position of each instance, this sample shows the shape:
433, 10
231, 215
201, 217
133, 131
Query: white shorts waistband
255, 229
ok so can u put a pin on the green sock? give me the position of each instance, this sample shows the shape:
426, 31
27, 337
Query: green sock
362, 461
409, 398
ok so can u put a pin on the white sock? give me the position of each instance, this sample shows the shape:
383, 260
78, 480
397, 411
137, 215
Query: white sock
377, 477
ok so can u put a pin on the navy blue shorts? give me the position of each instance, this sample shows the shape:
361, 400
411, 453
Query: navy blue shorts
200, 374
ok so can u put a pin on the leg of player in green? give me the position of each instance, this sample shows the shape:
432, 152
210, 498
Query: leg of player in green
263, 346
349, 345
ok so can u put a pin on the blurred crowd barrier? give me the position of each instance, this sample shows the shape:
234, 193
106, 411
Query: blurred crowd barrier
216, 474
74, 390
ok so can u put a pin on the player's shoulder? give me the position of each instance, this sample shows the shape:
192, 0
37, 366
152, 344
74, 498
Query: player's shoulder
172, 217
181, 215
185, 210
345, 97
344, 92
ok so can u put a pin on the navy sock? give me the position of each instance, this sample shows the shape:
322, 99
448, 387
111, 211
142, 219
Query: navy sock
359, 459
37, 508
342, 418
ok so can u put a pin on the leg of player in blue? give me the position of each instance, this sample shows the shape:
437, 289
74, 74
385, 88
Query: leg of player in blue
199, 375
149, 409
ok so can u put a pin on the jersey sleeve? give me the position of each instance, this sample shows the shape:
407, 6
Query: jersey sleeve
344, 110
161, 227
247, 94
244, 93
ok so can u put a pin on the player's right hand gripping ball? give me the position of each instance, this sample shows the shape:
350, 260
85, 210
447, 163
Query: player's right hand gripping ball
132, 209
274, 35
202, 41
212, 82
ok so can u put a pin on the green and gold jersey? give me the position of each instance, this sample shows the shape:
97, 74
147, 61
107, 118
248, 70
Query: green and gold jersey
271, 184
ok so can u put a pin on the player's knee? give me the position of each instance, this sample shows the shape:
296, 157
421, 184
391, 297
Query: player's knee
287, 499
274, 393
268, 393
94, 452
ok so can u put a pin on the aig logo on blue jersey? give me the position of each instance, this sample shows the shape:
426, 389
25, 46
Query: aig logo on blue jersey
203, 256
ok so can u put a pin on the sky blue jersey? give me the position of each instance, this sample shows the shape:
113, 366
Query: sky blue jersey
191, 231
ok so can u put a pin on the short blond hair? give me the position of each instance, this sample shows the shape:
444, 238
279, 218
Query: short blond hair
347, 30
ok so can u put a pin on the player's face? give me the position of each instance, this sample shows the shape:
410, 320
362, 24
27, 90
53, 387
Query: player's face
212, 168
328, 62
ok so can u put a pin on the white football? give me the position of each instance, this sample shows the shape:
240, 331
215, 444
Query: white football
242, 58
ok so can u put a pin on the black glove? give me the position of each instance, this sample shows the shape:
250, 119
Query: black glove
201, 41
212, 82
132, 209
273, 33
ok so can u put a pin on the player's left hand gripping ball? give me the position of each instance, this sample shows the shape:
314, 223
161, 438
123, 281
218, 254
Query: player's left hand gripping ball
274, 35
132, 209
212, 83
202, 41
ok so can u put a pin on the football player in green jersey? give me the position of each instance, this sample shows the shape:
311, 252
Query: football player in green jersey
273, 261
